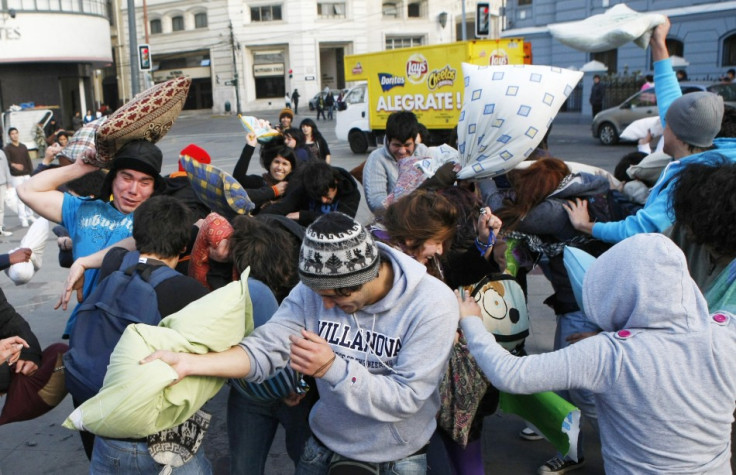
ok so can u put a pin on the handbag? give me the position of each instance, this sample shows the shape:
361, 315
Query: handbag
461, 391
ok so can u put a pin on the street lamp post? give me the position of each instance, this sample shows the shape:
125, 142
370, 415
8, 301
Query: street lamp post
135, 85
235, 70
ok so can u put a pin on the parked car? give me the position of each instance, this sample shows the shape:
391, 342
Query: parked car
608, 124
313, 100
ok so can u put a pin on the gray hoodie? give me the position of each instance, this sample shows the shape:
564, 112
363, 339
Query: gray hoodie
662, 371
378, 400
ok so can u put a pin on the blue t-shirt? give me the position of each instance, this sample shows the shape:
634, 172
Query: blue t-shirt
93, 225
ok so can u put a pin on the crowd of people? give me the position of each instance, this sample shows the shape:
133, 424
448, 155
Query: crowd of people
354, 323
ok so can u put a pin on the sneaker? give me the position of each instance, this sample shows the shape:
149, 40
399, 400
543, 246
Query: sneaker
3, 232
24, 223
527, 433
557, 465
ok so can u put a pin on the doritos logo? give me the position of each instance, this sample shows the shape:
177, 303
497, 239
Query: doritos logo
389, 81
416, 68
358, 69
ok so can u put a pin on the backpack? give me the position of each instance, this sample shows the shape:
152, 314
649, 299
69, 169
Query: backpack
503, 309
126, 296
611, 206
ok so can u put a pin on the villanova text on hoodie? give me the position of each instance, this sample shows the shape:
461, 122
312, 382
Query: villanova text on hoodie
379, 399
661, 371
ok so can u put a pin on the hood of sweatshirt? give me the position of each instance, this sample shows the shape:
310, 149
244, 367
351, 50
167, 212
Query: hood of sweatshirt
643, 283
577, 185
404, 283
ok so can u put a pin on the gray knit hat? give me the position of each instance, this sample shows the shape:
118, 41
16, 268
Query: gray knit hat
695, 118
337, 252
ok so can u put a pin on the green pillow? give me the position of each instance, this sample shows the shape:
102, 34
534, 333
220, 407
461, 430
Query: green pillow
136, 400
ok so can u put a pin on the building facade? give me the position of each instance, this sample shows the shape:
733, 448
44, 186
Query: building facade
703, 34
52, 53
246, 55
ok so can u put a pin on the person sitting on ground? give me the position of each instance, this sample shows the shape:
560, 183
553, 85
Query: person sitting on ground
95, 224
318, 189
640, 364
277, 159
350, 284
161, 230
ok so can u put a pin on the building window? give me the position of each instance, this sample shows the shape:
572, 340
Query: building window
331, 9
609, 58
403, 42
200, 20
414, 10
390, 10
729, 51
177, 23
266, 13
675, 47
524, 2
156, 27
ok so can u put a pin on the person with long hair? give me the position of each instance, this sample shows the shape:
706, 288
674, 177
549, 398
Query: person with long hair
533, 212
314, 141
447, 232
278, 159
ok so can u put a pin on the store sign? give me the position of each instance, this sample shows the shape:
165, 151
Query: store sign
264, 70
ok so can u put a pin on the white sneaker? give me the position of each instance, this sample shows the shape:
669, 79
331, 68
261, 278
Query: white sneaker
24, 223
3, 232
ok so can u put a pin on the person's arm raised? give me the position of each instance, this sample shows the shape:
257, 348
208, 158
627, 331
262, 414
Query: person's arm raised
40, 192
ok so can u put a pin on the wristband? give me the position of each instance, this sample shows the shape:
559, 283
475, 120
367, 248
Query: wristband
275, 191
319, 370
483, 248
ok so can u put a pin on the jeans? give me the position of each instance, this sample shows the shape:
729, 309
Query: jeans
251, 427
316, 460
112, 456
567, 324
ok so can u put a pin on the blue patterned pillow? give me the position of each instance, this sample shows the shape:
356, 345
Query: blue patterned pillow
286, 381
506, 112
217, 188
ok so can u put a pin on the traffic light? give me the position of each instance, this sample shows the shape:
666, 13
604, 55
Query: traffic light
291, 74
483, 19
144, 57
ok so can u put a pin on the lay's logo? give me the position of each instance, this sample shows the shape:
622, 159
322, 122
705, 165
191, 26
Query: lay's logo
416, 68
389, 81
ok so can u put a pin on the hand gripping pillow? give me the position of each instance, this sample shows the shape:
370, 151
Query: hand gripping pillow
82, 143
136, 400
216, 188
148, 116
506, 112
260, 127
610, 30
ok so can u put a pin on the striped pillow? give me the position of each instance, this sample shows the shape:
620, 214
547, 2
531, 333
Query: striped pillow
286, 381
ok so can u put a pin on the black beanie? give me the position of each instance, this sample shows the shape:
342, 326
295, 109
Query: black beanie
138, 155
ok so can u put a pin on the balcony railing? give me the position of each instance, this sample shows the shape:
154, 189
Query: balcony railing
85, 7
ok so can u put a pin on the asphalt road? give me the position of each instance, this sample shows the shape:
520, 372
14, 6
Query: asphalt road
41, 446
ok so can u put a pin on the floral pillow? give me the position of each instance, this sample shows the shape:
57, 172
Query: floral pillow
148, 116
506, 112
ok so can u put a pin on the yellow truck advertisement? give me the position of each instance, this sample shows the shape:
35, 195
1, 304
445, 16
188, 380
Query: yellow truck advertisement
427, 79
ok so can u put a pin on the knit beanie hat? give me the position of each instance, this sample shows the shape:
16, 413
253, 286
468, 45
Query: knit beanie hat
695, 118
197, 153
337, 252
286, 112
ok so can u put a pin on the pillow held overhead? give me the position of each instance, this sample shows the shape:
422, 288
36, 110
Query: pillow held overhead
610, 30
506, 112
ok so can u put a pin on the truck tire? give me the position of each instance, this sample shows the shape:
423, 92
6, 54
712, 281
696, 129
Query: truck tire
358, 141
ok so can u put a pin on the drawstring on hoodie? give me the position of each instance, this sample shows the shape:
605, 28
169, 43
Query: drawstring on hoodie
370, 348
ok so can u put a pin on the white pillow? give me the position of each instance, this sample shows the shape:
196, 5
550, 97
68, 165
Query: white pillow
610, 30
639, 128
506, 112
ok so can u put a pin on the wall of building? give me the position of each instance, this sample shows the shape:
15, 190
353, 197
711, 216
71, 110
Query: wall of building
700, 25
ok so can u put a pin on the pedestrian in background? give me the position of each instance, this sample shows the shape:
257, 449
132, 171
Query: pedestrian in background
295, 100
596, 95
